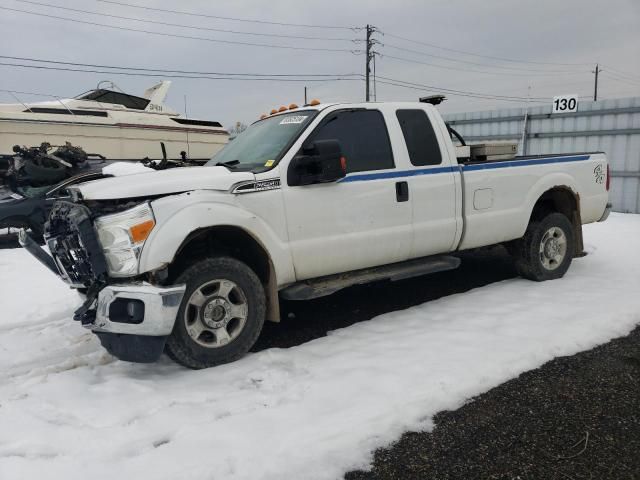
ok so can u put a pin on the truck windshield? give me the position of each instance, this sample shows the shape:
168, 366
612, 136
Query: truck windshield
262, 144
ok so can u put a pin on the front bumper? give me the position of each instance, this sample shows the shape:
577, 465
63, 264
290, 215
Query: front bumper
137, 309
132, 320
606, 213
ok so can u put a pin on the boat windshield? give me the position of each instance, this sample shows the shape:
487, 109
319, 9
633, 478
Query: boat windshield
262, 145
109, 96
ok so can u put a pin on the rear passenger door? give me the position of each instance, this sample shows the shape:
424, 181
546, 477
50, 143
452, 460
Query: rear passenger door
432, 184
357, 222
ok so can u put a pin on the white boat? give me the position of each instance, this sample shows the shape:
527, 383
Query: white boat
111, 123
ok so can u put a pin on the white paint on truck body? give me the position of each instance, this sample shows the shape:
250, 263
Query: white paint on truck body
357, 222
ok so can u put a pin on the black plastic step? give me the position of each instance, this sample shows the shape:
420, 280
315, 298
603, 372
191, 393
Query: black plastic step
322, 286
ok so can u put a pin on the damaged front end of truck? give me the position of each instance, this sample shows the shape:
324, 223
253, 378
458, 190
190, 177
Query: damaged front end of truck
95, 250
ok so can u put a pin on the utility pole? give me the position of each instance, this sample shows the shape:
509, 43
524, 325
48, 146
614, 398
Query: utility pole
595, 87
368, 60
375, 89
370, 54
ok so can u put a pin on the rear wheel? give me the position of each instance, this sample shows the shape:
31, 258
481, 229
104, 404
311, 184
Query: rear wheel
546, 250
221, 315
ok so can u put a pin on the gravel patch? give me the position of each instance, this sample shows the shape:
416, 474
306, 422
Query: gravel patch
574, 418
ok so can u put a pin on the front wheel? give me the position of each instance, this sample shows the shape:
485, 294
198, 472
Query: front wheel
221, 314
546, 250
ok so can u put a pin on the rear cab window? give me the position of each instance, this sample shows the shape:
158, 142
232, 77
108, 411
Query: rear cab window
363, 138
420, 137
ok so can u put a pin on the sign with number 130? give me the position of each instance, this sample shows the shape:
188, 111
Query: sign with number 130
565, 104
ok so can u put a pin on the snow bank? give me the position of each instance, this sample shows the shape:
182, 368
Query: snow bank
118, 169
70, 411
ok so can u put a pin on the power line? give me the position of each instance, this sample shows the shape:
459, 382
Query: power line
218, 17
188, 37
623, 74
356, 77
411, 87
479, 55
458, 92
635, 83
187, 72
173, 75
193, 27
395, 47
450, 90
617, 75
446, 67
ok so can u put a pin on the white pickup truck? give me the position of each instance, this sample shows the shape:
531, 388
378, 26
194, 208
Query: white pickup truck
306, 201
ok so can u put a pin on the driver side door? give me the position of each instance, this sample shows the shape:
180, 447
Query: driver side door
357, 221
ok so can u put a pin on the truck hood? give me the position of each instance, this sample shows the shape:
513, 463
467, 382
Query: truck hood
162, 182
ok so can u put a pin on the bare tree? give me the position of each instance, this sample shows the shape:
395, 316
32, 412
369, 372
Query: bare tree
237, 129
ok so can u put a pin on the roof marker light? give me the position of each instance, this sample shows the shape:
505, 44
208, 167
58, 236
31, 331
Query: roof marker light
293, 106
274, 111
314, 102
282, 109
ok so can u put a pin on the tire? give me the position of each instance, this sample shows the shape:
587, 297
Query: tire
546, 250
221, 314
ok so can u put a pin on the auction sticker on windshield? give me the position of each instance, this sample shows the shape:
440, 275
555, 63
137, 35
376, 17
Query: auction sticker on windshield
293, 119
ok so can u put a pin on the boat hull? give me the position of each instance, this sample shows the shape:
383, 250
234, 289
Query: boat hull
117, 141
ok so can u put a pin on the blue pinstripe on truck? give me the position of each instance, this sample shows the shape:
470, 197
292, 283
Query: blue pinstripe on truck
363, 177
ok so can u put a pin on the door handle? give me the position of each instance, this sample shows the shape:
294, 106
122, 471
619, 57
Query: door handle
402, 191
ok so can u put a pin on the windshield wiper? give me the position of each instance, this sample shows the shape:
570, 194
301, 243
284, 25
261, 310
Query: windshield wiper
230, 164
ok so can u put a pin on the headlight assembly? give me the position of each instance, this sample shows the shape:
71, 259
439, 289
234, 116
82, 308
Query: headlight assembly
122, 236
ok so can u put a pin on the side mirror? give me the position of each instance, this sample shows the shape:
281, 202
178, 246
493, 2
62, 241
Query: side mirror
318, 162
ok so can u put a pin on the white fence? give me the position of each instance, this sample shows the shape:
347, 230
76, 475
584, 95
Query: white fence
610, 126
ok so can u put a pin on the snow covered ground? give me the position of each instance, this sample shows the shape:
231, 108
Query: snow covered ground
70, 411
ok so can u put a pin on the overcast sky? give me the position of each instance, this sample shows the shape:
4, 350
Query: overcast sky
579, 32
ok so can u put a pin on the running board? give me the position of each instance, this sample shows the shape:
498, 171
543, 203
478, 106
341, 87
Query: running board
320, 287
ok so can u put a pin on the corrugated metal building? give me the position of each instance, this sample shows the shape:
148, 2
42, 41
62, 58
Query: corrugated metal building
611, 126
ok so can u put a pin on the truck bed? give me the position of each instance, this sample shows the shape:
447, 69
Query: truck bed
498, 195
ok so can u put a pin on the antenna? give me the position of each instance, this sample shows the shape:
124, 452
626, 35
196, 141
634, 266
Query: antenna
186, 115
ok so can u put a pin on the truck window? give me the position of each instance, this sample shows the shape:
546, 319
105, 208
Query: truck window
363, 137
420, 138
